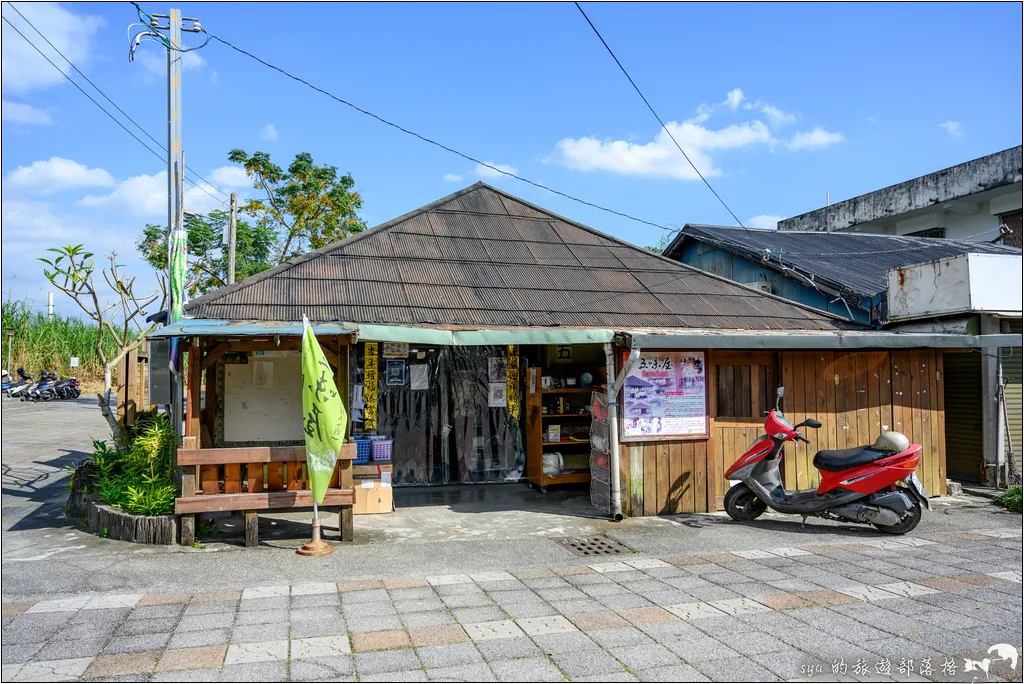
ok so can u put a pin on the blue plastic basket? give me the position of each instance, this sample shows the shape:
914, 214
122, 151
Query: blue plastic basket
363, 449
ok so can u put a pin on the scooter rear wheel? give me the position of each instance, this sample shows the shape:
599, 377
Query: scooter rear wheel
911, 518
742, 504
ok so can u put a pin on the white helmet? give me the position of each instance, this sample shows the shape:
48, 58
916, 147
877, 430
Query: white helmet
892, 441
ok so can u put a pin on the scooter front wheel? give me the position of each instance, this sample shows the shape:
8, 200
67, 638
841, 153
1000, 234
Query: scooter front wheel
742, 504
911, 517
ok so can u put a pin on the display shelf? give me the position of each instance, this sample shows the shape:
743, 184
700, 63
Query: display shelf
563, 390
569, 442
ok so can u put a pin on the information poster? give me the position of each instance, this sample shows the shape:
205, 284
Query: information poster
665, 395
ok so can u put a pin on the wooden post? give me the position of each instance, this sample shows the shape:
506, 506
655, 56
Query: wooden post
252, 529
345, 514
188, 488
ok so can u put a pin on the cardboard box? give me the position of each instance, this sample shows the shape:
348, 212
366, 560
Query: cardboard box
373, 489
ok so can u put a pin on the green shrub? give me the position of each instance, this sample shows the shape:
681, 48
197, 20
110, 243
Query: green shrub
142, 479
1010, 499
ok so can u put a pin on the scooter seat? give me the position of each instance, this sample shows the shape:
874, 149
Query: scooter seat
843, 459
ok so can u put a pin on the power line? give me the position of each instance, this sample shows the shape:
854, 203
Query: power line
123, 113
663, 126
430, 141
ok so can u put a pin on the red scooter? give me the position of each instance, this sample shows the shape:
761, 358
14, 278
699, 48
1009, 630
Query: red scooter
873, 484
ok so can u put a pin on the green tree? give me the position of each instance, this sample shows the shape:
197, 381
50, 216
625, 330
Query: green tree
663, 242
207, 261
306, 207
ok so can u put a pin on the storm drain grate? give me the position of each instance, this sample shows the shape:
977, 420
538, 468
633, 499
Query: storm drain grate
592, 546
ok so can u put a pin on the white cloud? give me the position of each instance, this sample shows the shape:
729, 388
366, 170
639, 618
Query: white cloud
954, 128
269, 132
873, 119
734, 98
146, 196
20, 113
776, 116
56, 174
765, 221
486, 172
454, 177
229, 176
660, 156
815, 139
23, 68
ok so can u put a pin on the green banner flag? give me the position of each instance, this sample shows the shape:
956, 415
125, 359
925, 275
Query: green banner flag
324, 418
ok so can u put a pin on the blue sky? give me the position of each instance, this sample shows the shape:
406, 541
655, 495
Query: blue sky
776, 103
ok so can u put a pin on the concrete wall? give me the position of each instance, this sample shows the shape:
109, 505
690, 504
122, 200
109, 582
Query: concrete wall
968, 197
263, 398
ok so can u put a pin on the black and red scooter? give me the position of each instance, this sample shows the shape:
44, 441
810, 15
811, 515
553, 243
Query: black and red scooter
873, 484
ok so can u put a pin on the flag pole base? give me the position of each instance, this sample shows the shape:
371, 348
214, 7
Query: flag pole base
316, 546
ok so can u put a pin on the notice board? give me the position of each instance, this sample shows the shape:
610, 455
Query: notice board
665, 396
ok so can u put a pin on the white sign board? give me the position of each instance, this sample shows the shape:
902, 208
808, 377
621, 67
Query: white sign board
74, 362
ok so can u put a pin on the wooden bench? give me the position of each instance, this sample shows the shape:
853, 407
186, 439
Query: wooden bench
274, 477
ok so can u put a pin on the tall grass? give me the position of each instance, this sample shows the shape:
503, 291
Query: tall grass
39, 343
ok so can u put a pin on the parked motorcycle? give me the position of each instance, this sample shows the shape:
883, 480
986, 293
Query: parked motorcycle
873, 484
16, 387
43, 389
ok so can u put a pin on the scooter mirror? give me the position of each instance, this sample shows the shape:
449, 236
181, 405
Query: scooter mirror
811, 423
778, 397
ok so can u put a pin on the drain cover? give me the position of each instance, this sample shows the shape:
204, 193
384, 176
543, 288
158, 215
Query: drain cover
592, 546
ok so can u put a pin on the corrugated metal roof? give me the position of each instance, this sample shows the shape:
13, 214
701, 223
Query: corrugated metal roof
855, 263
481, 257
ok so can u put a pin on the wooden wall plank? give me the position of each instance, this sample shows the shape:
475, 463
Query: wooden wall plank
664, 478
651, 506
940, 405
675, 484
807, 478
885, 390
208, 475
254, 477
863, 422
699, 479
789, 468
232, 478
688, 454
275, 477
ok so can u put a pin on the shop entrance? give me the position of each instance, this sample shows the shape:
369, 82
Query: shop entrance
481, 414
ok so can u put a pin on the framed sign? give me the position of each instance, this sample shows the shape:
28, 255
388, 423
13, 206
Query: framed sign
665, 396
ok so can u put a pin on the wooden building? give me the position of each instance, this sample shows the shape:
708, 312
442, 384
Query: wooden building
467, 330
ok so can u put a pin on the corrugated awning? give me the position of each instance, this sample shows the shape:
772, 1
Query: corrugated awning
427, 335
846, 339
200, 327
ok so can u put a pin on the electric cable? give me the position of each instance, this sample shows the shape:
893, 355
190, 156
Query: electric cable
106, 97
656, 116
433, 142
156, 154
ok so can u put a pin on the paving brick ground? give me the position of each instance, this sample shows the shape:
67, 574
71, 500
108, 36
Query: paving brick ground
903, 609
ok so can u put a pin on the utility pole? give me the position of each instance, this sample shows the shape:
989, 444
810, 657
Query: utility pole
177, 236
49, 306
232, 225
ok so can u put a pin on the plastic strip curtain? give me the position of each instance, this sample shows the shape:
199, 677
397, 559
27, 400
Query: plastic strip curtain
439, 410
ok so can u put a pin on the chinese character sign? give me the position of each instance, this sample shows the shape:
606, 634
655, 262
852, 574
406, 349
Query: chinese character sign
324, 420
370, 370
665, 394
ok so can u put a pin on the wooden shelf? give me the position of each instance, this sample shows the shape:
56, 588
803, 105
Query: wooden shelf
565, 415
562, 390
564, 442
568, 478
